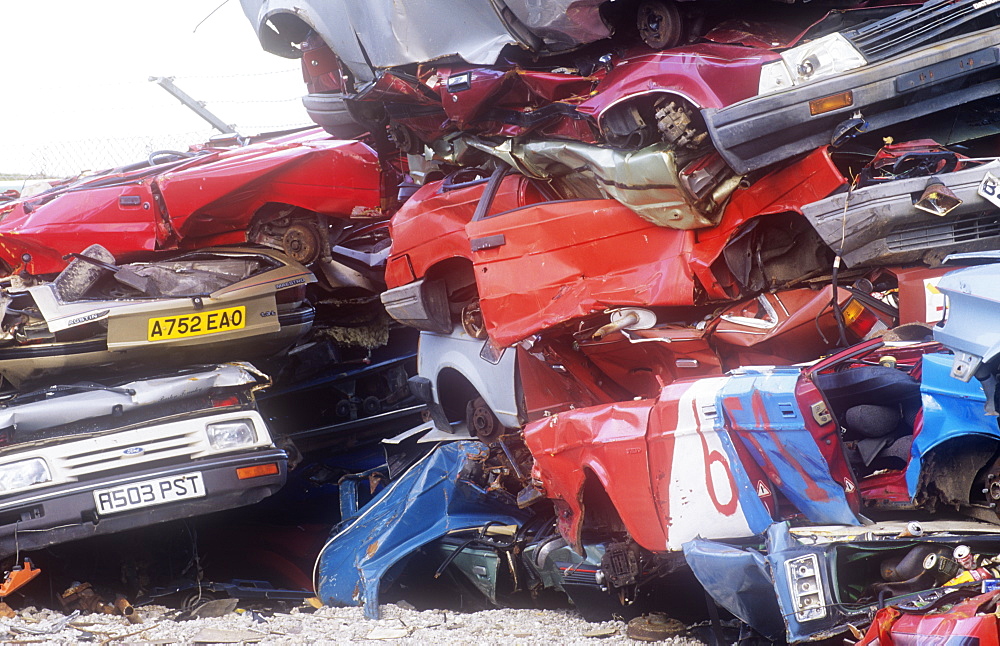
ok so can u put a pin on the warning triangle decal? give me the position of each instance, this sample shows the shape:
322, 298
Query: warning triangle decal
762, 489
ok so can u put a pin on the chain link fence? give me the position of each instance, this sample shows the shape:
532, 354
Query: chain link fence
70, 158
116, 120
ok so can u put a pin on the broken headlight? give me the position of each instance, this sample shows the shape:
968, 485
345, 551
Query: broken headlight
22, 474
231, 435
822, 58
806, 587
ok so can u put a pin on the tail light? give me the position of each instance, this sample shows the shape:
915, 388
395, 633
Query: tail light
862, 322
291, 296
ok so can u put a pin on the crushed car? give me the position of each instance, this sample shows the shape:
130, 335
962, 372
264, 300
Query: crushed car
440, 494
913, 202
214, 305
277, 192
811, 583
489, 230
757, 93
87, 458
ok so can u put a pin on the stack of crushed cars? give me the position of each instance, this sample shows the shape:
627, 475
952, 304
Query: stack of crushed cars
161, 324
680, 273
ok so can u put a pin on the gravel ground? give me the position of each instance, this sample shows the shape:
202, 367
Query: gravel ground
399, 625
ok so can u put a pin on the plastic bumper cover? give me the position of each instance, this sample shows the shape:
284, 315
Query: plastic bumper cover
53, 515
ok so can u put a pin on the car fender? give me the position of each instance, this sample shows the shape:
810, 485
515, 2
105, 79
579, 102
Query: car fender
495, 383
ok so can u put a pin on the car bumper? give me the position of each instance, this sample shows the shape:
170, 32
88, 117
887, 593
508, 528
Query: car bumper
882, 226
422, 304
43, 517
763, 130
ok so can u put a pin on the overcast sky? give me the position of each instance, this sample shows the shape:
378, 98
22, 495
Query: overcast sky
74, 71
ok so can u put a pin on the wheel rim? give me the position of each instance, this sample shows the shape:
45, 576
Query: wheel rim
659, 24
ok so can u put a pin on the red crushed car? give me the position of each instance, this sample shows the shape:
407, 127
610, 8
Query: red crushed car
296, 193
530, 260
872, 426
759, 93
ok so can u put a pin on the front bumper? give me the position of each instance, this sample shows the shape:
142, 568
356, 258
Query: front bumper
763, 130
48, 516
882, 226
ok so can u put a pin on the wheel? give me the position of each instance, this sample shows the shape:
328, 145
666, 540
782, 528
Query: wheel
482, 422
472, 321
660, 24
406, 140
371, 406
302, 242
79, 276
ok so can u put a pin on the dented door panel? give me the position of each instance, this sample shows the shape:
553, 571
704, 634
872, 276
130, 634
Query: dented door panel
430, 227
581, 256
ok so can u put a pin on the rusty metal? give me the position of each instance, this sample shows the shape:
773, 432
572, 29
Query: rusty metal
81, 596
127, 610
654, 627
302, 242
482, 422
472, 321
938, 199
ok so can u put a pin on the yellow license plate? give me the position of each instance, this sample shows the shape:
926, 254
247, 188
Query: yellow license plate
179, 327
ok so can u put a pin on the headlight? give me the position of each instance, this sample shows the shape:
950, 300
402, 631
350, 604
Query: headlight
23, 474
231, 435
806, 585
824, 57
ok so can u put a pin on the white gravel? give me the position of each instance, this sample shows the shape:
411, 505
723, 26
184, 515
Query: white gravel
399, 625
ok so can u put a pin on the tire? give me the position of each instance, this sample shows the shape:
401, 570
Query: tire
79, 276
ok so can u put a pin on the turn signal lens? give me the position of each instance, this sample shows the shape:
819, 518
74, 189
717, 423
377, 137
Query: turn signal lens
831, 103
258, 471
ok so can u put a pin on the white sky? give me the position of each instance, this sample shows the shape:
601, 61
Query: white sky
74, 71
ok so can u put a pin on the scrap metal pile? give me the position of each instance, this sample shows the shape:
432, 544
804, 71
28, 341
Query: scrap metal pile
699, 289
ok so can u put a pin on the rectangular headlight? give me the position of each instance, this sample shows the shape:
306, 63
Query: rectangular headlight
806, 583
232, 434
824, 57
22, 474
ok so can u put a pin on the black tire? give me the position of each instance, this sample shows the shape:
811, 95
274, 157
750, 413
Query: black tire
79, 276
